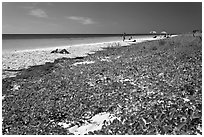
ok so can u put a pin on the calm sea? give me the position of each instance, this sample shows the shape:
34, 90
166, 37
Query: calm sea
12, 42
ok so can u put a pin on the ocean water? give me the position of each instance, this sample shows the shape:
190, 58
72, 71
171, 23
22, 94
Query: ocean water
16, 42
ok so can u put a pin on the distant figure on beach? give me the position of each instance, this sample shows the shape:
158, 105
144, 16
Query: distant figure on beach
54, 51
63, 51
130, 38
124, 36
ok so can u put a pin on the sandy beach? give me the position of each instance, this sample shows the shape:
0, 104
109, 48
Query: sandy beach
25, 58
102, 68
120, 90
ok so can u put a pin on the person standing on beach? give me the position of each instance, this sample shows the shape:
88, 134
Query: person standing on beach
124, 36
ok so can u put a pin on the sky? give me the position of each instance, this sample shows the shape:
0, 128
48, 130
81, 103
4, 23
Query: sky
100, 17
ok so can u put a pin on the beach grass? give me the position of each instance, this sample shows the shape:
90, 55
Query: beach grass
154, 87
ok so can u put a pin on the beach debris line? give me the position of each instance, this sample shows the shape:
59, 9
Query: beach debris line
63, 51
78, 57
131, 40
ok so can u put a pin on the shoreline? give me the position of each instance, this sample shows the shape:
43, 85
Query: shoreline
26, 58
139, 40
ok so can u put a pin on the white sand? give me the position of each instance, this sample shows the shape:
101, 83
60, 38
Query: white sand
95, 124
84, 62
23, 59
26, 58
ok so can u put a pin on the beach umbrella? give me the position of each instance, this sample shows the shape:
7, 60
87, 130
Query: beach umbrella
153, 32
163, 32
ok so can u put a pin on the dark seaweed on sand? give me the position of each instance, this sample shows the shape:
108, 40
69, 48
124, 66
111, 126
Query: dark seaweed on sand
152, 87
